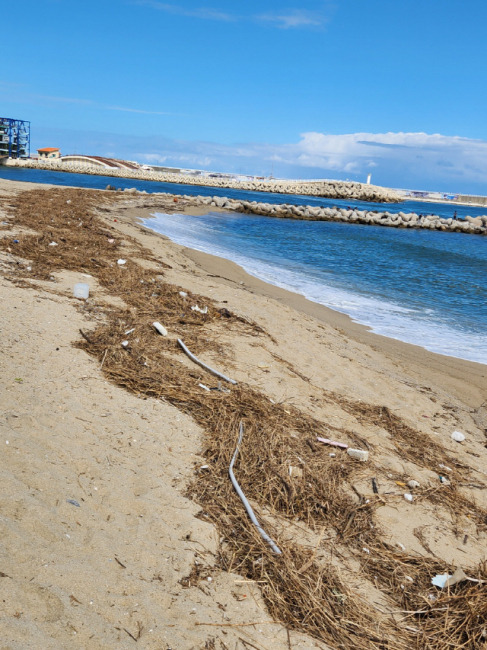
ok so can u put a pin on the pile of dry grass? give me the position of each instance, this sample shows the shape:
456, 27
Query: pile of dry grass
302, 592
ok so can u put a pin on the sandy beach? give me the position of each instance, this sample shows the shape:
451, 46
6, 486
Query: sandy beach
119, 524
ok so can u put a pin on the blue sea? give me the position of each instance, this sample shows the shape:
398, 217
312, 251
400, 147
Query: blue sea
419, 286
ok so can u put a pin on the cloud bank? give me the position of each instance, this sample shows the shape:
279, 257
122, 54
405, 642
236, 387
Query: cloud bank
412, 160
401, 160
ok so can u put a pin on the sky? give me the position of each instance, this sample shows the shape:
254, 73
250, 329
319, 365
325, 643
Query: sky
294, 89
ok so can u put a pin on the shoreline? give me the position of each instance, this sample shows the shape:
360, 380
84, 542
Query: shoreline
458, 375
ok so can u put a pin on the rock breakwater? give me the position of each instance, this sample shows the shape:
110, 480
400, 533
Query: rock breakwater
471, 225
326, 188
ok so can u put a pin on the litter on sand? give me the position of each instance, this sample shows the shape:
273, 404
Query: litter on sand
203, 365
458, 436
160, 328
358, 454
443, 580
121, 262
198, 309
333, 443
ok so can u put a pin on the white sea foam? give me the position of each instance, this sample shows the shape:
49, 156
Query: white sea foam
422, 327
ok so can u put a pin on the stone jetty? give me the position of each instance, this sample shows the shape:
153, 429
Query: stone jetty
471, 225
323, 188
468, 225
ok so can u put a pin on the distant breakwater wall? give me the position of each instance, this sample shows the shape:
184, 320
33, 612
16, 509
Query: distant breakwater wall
326, 188
471, 225
472, 200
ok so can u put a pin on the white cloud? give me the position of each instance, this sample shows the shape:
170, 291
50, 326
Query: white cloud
134, 110
396, 159
202, 12
417, 154
19, 92
294, 18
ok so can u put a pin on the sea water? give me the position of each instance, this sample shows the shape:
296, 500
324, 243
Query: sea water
445, 210
419, 286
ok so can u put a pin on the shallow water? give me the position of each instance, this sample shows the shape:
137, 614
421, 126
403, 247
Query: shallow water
418, 286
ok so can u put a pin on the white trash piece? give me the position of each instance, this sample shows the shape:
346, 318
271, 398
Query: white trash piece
201, 311
458, 436
358, 454
440, 579
413, 484
121, 262
409, 497
160, 328
81, 290
183, 294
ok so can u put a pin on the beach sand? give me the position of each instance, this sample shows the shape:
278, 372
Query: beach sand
98, 536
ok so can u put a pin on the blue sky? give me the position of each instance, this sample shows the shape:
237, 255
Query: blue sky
301, 89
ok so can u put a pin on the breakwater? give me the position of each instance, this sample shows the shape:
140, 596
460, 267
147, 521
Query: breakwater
470, 225
326, 188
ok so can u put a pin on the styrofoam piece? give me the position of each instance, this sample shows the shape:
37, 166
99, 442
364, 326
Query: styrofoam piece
458, 436
358, 454
81, 290
160, 328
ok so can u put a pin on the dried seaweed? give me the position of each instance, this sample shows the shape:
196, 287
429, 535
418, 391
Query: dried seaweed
301, 591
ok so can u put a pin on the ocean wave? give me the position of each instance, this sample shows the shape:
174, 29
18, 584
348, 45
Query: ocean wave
418, 322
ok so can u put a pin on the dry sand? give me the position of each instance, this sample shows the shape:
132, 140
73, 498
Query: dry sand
96, 535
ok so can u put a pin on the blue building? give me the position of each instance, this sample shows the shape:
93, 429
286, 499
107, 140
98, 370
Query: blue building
14, 138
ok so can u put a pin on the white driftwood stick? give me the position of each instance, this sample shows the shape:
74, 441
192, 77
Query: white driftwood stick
203, 365
247, 505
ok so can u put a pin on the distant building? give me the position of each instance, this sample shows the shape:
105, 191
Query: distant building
49, 152
14, 138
